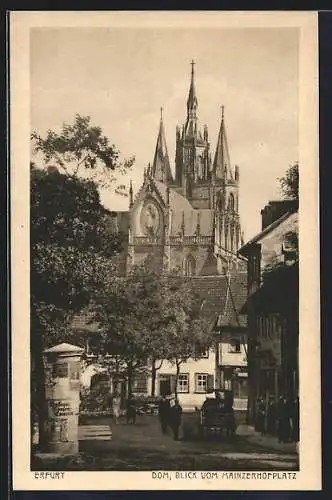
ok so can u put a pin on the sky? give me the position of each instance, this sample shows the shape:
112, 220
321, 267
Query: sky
120, 77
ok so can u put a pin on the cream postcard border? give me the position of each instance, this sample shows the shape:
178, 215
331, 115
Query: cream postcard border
309, 476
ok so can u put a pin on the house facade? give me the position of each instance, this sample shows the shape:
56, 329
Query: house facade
223, 366
272, 305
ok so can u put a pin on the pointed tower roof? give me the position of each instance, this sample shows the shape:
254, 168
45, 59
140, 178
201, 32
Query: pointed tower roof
222, 163
161, 170
192, 99
190, 129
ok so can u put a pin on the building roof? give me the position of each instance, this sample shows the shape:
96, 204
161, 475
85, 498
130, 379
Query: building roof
64, 348
278, 292
222, 162
192, 98
256, 239
161, 169
223, 297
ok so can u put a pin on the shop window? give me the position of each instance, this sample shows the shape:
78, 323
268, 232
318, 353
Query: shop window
183, 382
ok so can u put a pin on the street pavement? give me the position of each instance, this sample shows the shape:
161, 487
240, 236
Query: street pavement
143, 447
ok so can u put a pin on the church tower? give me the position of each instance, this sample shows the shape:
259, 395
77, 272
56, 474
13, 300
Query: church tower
190, 222
161, 170
192, 158
226, 180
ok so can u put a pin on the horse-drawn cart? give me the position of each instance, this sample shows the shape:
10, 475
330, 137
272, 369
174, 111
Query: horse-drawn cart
217, 415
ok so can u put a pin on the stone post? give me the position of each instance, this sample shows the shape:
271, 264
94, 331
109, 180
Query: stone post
62, 391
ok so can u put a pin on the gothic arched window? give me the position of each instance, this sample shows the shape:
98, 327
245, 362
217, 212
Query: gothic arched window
189, 266
231, 202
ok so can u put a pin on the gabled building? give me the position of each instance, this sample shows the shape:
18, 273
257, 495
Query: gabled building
224, 366
272, 304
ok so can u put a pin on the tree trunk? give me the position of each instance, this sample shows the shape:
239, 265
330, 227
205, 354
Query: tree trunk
154, 370
153, 378
178, 363
130, 376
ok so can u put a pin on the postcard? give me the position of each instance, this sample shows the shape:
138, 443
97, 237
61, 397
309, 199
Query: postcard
165, 250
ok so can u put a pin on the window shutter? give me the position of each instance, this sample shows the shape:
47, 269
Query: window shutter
210, 383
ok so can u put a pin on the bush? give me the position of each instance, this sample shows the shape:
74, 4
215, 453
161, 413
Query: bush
146, 404
95, 400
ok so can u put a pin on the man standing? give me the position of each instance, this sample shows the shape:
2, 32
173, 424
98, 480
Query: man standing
116, 403
131, 410
175, 419
163, 413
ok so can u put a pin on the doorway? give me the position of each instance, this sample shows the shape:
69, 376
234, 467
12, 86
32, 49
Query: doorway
165, 385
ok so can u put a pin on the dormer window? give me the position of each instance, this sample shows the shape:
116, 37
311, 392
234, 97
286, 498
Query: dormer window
234, 346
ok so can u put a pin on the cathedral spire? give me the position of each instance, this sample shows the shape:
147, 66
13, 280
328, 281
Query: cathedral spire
190, 129
192, 102
221, 164
161, 170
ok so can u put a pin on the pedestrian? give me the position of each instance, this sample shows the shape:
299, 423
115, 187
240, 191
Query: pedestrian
163, 413
131, 411
116, 403
175, 418
295, 421
283, 420
257, 415
271, 417
260, 416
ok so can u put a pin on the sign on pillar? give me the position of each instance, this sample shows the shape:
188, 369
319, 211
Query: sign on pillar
62, 392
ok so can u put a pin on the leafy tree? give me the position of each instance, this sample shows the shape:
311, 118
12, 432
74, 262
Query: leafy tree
290, 183
71, 246
120, 316
151, 317
188, 332
81, 147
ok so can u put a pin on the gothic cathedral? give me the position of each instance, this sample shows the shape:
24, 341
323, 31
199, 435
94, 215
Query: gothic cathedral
188, 220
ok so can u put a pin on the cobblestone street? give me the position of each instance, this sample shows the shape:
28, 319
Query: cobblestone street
144, 447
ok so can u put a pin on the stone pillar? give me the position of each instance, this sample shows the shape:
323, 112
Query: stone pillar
62, 392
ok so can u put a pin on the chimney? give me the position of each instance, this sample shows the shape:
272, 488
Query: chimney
276, 209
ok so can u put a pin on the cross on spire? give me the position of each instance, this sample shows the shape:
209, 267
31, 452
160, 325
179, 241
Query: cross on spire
192, 66
161, 113
222, 111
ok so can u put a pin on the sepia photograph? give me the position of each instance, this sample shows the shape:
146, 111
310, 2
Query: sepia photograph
166, 222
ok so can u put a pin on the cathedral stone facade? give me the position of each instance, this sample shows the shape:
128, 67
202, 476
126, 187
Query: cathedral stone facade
189, 220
